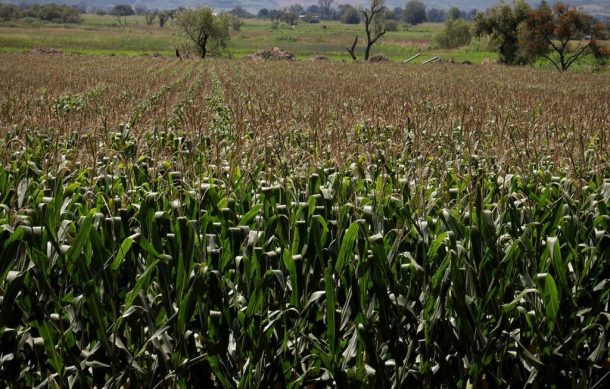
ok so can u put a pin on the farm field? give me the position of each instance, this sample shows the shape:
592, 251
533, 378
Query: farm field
242, 223
102, 35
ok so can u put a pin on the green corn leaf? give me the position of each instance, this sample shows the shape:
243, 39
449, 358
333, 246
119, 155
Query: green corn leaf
347, 246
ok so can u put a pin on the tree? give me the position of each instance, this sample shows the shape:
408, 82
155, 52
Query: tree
436, 15
455, 34
325, 8
209, 34
242, 13
290, 18
471, 14
373, 25
398, 13
415, 12
163, 17
9, 12
313, 10
263, 13
122, 11
549, 34
502, 23
150, 18
236, 22
350, 15
454, 13
140, 9
296, 8
54, 13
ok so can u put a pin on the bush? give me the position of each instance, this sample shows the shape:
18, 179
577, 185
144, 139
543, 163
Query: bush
391, 25
236, 22
455, 34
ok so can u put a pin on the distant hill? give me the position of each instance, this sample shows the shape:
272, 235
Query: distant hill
595, 7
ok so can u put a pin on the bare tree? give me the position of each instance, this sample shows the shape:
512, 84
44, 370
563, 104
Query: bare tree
351, 50
373, 18
150, 18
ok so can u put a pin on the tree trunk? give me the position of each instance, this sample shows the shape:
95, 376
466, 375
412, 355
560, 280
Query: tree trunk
352, 51
202, 46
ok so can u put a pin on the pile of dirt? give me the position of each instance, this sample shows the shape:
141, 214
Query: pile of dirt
487, 61
379, 58
319, 58
274, 54
42, 50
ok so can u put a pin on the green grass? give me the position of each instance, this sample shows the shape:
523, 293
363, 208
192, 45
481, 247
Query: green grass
103, 35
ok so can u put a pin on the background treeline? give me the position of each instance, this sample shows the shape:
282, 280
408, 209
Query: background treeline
414, 12
48, 12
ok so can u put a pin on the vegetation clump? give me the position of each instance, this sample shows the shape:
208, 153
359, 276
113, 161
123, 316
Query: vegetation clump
52, 13
274, 54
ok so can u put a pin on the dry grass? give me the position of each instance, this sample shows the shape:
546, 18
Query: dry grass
310, 112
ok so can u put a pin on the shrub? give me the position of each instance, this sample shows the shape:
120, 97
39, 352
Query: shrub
455, 34
391, 25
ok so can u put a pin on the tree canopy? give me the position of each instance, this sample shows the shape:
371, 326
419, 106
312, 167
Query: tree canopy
350, 15
550, 33
502, 23
122, 10
415, 12
207, 33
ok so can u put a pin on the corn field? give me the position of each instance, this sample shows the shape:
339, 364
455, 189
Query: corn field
245, 224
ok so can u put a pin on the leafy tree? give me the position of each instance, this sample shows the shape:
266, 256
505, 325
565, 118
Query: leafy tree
436, 15
471, 14
263, 13
325, 8
242, 13
296, 8
289, 18
398, 13
9, 12
314, 10
455, 34
549, 34
502, 23
350, 15
54, 13
415, 12
140, 9
209, 34
236, 22
454, 13
122, 11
